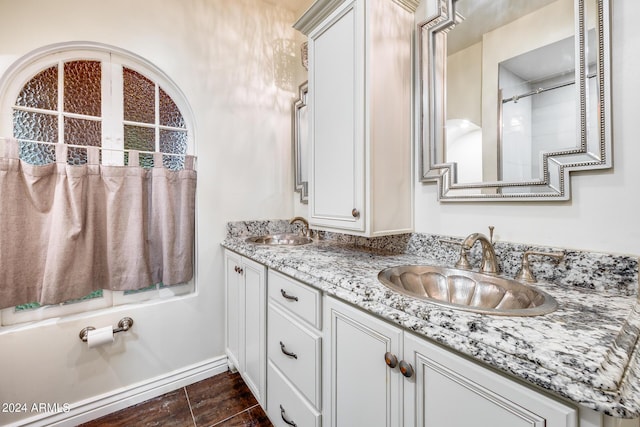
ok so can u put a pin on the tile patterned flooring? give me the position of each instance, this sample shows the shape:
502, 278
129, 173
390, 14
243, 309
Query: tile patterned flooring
222, 401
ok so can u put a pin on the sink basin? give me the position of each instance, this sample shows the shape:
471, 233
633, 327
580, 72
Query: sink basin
290, 239
468, 290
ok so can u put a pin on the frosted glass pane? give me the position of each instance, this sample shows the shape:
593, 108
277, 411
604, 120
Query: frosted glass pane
81, 132
169, 113
37, 127
173, 142
82, 87
140, 138
139, 97
34, 305
41, 91
37, 154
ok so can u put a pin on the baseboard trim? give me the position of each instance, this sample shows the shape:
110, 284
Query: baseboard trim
98, 406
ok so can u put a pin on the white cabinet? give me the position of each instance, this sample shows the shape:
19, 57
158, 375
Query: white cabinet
435, 388
360, 115
246, 321
447, 389
359, 388
294, 352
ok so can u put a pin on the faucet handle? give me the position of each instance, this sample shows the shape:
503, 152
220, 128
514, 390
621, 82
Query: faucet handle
450, 241
463, 262
525, 273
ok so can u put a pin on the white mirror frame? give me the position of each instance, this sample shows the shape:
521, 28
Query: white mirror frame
554, 184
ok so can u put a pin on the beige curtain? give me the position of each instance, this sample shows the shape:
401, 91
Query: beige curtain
66, 231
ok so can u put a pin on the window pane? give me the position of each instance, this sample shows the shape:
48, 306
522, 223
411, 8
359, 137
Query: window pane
139, 97
137, 291
81, 132
140, 138
34, 305
37, 127
41, 91
93, 295
82, 87
173, 142
29, 306
169, 113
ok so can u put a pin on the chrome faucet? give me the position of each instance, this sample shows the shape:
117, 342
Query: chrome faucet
306, 231
489, 262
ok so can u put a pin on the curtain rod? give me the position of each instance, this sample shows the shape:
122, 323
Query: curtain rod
120, 150
515, 98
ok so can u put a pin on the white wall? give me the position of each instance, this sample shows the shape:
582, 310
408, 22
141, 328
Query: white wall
220, 53
602, 214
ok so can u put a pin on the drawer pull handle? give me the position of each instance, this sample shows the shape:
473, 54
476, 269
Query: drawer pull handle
287, 296
288, 353
291, 423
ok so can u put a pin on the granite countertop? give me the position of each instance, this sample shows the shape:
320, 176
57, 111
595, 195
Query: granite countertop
586, 350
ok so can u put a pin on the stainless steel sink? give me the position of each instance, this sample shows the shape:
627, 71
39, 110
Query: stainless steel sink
468, 290
290, 239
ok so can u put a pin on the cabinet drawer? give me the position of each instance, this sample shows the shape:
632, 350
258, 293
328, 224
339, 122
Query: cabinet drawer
285, 405
295, 350
296, 297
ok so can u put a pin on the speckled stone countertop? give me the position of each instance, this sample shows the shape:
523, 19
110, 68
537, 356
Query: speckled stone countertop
587, 350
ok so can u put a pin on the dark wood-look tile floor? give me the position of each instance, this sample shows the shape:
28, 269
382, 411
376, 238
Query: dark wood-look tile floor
222, 401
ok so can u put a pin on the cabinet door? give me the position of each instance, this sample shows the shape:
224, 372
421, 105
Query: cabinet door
360, 389
233, 284
336, 97
449, 390
254, 328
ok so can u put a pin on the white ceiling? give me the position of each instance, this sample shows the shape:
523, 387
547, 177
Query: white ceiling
298, 6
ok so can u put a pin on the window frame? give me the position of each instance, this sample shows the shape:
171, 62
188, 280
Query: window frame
113, 60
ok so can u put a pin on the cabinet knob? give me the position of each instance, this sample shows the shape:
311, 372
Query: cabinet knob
282, 414
406, 369
390, 359
355, 213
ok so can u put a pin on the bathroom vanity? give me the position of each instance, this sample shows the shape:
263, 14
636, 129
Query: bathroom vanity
343, 349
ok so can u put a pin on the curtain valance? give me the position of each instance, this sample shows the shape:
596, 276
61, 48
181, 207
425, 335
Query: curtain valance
68, 230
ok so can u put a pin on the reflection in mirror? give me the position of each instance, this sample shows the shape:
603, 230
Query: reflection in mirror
300, 133
514, 96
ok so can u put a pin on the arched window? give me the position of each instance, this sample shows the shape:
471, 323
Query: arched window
85, 94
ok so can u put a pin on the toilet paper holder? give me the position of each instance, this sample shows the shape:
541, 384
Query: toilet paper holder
123, 325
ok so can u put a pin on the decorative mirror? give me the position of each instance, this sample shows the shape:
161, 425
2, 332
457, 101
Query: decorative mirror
300, 132
513, 96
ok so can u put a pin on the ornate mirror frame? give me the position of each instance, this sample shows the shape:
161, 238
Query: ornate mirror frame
300, 132
554, 183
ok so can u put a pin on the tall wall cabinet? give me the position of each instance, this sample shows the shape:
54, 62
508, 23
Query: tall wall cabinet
360, 97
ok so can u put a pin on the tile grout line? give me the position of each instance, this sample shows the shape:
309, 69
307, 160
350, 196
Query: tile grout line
234, 415
190, 408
